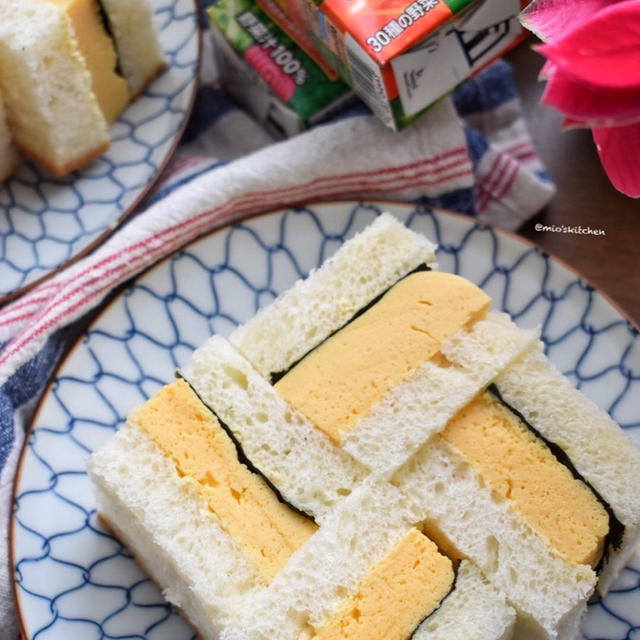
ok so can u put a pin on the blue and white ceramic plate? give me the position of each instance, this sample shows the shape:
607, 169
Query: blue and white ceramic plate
46, 221
75, 582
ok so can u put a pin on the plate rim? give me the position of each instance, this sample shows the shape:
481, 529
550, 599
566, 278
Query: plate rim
115, 224
96, 314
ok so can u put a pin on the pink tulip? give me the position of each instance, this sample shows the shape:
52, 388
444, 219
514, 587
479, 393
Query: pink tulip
593, 76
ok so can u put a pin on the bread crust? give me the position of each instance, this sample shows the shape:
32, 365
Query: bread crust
84, 160
60, 171
8, 172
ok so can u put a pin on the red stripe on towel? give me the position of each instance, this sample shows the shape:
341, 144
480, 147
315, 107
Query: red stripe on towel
355, 183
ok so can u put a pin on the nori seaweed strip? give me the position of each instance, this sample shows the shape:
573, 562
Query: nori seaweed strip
274, 377
106, 25
244, 459
453, 588
613, 539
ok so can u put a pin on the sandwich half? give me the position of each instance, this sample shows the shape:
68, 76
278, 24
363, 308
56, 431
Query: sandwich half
393, 423
68, 69
240, 562
589, 443
427, 398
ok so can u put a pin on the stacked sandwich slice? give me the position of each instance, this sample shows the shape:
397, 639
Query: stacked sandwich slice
67, 70
374, 455
241, 562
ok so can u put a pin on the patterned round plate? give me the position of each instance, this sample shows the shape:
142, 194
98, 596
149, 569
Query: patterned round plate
75, 582
46, 221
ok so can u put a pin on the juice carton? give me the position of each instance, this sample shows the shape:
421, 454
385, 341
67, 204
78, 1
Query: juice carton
401, 56
266, 72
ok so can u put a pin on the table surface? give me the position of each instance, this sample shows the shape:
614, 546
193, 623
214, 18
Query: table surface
584, 196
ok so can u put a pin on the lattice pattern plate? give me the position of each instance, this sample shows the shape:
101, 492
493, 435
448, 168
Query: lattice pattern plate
75, 582
46, 221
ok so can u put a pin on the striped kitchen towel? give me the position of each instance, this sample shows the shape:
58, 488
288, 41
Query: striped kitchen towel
470, 153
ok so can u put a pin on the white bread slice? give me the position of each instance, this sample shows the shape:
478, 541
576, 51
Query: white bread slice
311, 472
8, 155
474, 610
135, 40
548, 593
407, 416
170, 531
53, 115
357, 534
303, 316
597, 446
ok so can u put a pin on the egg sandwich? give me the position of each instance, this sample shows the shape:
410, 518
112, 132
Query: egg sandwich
68, 69
393, 461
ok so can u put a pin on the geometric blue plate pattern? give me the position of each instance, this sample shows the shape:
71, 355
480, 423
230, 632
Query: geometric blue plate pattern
75, 582
46, 221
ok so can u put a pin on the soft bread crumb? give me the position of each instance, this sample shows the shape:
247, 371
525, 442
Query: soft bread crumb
303, 316
136, 42
475, 610
311, 472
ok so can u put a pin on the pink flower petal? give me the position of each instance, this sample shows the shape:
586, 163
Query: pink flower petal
619, 151
602, 51
571, 123
548, 69
552, 19
602, 107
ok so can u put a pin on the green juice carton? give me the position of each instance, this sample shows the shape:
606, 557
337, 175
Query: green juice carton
268, 73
